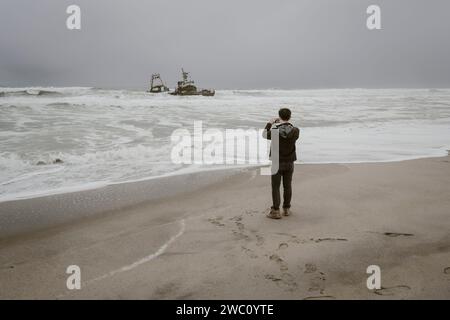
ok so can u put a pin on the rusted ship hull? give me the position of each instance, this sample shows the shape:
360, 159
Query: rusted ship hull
158, 90
204, 92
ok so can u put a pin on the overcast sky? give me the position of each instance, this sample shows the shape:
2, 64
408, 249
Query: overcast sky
226, 44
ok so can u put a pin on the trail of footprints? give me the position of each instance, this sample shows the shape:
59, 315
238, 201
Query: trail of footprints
317, 281
285, 279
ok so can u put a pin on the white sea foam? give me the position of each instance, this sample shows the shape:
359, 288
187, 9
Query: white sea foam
112, 136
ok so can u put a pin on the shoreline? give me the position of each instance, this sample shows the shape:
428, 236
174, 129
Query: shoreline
214, 242
36, 213
89, 186
15, 215
102, 184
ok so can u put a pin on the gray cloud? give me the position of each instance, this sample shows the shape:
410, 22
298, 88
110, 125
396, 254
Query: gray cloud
226, 44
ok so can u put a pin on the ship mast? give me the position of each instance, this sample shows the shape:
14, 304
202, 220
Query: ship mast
185, 75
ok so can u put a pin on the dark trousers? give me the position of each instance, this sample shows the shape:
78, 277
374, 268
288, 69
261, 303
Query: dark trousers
285, 172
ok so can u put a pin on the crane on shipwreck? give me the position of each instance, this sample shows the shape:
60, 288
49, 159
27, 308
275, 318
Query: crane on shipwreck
157, 85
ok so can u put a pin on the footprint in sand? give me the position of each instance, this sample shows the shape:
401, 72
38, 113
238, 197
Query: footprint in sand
317, 279
392, 291
283, 266
251, 212
259, 240
272, 277
240, 231
286, 279
237, 220
310, 268
249, 252
217, 221
240, 235
317, 284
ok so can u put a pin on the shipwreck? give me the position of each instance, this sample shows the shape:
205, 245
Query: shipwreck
186, 87
157, 85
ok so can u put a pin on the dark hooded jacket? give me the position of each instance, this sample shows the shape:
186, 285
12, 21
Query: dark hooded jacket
288, 135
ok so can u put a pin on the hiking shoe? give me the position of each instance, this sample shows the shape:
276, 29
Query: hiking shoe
286, 212
274, 214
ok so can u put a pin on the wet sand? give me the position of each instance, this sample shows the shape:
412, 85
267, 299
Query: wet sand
214, 242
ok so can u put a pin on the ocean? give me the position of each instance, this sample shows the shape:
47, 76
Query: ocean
55, 140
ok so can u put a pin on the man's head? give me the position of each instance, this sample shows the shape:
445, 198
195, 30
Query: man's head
284, 114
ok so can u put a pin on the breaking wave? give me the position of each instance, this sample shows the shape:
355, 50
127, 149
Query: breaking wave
29, 93
37, 91
108, 136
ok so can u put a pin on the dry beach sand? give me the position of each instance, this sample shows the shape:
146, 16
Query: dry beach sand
214, 242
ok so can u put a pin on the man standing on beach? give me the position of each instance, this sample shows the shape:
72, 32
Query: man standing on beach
288, 135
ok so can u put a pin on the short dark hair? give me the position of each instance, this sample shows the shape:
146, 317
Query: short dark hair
285, 114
